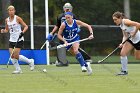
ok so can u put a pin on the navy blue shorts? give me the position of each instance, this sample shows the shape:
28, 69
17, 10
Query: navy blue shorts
69, 41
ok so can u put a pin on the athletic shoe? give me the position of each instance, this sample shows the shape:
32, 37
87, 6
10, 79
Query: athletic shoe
32, 64
89, 69
60, 64
84, 69
17, 72
123, 73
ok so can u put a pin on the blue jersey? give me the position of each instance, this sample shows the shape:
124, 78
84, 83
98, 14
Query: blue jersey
70, 31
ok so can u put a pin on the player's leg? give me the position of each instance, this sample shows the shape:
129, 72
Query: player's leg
14, 60
86, 57
85, 66
25, 59
79, 57
28, 61
137, 50
127, 47
137, 54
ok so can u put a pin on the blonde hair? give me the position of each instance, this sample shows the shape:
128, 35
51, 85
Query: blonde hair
11, 6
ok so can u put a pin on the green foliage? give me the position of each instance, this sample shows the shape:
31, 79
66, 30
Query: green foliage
97, 12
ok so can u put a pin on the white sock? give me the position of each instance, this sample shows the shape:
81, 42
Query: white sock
24, 59
124, 62
15, 63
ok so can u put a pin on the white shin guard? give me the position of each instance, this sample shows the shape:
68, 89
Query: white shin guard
124, 62
24, 59
16, 65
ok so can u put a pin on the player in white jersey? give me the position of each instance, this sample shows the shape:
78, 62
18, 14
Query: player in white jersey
129, 28
13, 25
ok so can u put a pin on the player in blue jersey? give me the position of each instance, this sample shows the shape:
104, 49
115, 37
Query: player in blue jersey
68, 33
61, 53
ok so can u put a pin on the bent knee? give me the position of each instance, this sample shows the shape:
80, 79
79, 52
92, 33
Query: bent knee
15, 56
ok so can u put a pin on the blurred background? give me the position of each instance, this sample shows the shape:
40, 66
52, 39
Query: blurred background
97, 13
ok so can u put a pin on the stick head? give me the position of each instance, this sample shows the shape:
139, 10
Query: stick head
100, 61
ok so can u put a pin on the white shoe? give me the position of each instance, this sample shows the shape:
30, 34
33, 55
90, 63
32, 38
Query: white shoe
84, 69
89, 69
32, 64
17, 72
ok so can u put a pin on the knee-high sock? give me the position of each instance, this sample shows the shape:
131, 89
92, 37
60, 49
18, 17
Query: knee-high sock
15, 63
24, 59
80, 59
124, 62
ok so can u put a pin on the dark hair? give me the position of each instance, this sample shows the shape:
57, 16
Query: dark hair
119, 15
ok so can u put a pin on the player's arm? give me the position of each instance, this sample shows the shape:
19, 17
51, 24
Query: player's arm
50, 35
60, 32
54, 30
87, 26
58, 23
25, 27
125, 36
6, 27
132, 23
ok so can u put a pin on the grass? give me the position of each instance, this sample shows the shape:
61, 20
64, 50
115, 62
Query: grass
70, 80
111, 59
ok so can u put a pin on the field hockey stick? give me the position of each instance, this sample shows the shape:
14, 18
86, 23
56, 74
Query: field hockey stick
47, 40
12, 53
112, 52
63, 45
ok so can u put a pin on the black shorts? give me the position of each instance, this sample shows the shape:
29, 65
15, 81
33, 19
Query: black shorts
136, 46
19, 44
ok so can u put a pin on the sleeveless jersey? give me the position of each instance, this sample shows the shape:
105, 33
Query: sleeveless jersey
130, 29
14, 29
70, 31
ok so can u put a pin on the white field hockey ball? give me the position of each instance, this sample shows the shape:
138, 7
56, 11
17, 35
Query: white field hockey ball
44, 70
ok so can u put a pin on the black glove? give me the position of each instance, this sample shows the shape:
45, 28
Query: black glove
21, 34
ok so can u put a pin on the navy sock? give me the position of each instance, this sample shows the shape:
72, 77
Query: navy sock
80, 59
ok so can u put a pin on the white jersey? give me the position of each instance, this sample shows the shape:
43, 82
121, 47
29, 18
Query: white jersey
130, 29
14, 29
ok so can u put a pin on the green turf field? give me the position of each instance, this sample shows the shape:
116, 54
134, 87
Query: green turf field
70, 80
111, 59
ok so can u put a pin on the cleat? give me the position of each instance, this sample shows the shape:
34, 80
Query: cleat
89, 69
122, 73
60, 64
84, 69
32, 64
17, 72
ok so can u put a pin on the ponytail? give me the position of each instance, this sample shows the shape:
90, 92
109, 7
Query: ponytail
119, 15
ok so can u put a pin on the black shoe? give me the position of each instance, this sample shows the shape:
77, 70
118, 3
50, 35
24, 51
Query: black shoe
122, 73
59, 64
